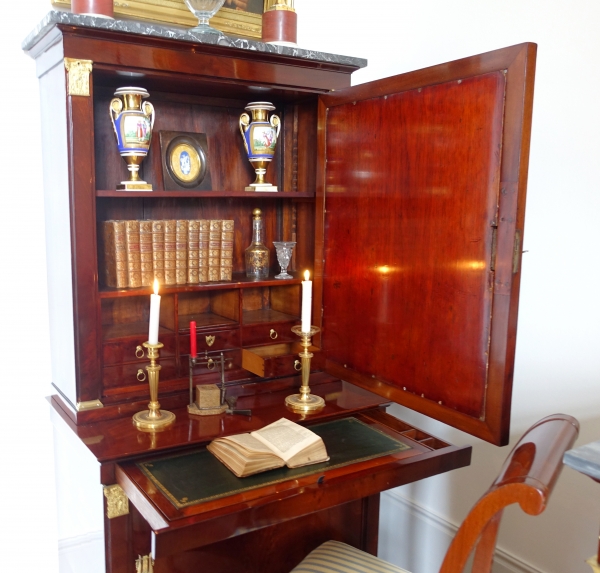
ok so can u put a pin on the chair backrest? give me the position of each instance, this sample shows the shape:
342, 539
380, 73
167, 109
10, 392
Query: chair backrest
527, 478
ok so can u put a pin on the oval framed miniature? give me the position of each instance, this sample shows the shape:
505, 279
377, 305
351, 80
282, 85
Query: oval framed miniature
184, 161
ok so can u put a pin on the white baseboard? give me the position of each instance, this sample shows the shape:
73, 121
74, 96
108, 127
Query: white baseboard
82, 554
432, 527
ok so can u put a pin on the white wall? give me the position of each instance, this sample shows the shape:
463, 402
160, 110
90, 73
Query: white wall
28, 534
558, 361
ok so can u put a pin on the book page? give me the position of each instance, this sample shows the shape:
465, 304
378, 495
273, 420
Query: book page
234, 457
285, 438
248, 442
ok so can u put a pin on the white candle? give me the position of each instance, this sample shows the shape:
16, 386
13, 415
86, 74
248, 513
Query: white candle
306, 302
154, 315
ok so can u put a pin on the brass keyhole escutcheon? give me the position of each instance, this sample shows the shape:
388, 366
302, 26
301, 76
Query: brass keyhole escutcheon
210, 340
273, 334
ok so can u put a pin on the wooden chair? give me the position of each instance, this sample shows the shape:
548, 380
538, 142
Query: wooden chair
527, 478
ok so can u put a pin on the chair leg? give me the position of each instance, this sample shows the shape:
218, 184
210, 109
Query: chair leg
485, 548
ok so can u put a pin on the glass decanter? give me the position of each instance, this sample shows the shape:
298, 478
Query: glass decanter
284, 251
257, 254
204, 10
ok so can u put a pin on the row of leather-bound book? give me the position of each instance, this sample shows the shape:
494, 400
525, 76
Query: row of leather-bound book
175, 252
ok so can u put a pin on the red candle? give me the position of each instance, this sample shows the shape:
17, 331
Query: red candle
193, 339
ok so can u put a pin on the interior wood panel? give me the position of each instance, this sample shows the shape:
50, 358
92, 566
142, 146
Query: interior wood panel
412, 186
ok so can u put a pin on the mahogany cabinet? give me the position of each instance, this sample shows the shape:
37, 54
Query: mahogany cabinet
406, 197
195, 88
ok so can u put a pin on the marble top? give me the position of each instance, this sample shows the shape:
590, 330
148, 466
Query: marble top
585, 459
171, 32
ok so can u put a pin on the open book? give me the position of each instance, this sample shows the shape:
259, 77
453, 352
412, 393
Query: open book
276, 445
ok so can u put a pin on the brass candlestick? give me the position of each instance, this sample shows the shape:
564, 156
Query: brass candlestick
305, 401
153, 419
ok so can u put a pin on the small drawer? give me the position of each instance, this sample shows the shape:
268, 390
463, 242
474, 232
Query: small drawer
124, 350
279, 359
123, 375
211, 340
269, 333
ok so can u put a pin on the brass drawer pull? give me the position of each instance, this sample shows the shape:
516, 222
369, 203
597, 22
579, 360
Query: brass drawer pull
210, 364
141, 375
297, 365
273, 334
139, 352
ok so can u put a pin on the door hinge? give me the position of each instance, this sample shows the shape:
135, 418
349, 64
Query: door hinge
494, 246
516, 252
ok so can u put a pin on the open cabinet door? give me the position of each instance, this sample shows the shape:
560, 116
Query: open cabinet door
420, 206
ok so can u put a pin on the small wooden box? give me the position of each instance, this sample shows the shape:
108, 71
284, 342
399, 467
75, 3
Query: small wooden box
208, 396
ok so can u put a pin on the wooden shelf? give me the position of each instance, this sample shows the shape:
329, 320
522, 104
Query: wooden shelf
205, 194
266, 315
130, 329
204, 320
239, 281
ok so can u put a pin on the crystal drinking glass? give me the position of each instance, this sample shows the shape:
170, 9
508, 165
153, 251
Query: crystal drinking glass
204, 10
284, 254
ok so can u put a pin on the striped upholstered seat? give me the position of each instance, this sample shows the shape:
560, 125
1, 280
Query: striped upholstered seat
336, 557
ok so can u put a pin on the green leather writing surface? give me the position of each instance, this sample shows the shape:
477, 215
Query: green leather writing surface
194, 477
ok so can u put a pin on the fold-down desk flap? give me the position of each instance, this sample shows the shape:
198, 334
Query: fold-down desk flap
190, 499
